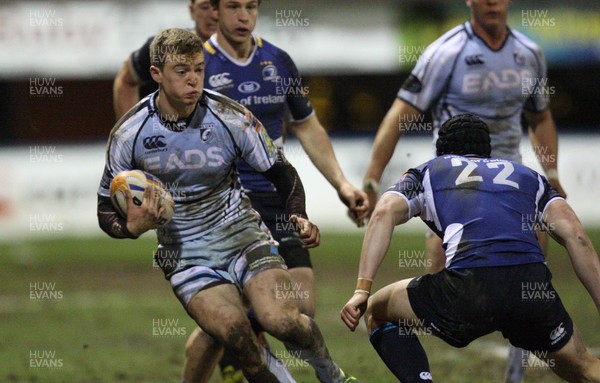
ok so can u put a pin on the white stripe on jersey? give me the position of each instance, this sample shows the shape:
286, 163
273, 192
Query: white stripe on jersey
429, 212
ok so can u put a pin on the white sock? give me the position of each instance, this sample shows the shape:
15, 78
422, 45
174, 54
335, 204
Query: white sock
325, 368
277, 367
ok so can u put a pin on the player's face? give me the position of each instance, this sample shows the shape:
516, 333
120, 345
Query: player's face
489, 13
205, 17
237, 19
181, 79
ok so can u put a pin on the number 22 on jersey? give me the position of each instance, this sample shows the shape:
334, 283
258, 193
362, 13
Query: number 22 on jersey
501, 178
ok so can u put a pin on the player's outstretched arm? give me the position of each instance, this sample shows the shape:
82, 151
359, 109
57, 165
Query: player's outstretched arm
388, 134
390, 211
125, 89
316, 144
564, 226
542, 133
291, 192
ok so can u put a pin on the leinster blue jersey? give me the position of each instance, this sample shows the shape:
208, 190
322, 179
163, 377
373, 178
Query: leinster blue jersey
458, 73
486, 210
195, 159
267, 83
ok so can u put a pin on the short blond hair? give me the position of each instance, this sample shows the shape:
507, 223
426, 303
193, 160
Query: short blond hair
173, 41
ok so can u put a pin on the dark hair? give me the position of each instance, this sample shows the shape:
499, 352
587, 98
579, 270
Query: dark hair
464, 134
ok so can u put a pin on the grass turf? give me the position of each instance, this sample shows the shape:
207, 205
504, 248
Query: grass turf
97, 310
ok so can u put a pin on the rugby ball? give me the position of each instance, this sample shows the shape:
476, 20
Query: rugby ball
136, 181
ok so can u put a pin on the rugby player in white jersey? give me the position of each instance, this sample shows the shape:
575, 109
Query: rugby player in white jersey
252, 71
485, 68
214, 249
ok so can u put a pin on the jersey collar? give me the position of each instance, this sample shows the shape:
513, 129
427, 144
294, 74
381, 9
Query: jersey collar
471, 32
181, 124
256, 45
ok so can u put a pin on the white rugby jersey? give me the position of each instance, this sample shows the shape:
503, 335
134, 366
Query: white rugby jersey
195, 159
459, 73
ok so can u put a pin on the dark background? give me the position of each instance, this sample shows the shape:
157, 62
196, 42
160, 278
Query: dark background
346, 105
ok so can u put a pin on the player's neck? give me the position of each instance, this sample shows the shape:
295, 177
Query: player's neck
494, 36
169, 110
239, 51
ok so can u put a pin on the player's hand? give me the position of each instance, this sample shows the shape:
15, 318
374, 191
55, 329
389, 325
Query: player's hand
145, 217
555, 183
372, 196
309, 232
354, 310
357, 202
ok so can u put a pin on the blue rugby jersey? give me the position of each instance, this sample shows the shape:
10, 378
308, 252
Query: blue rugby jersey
267, 83
195, 159
485, 209
458, 73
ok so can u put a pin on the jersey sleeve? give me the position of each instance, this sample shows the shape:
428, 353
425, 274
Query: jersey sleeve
433, 70
118, 158
545, 196
140, 61
250, 139
257, 147
297, 101
539, 98
410, 187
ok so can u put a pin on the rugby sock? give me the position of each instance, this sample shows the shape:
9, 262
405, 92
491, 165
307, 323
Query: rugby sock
402, 353
318, 357
277, 367
516, 360
325, 369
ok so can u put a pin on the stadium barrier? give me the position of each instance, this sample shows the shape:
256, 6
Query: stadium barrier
50, 190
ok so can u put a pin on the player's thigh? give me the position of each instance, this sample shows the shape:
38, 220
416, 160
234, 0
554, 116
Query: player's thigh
574, 362
391, 303
264, 291
218, 309
303, 281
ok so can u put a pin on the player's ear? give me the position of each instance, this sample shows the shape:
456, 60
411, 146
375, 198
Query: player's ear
156, 74
191, 9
